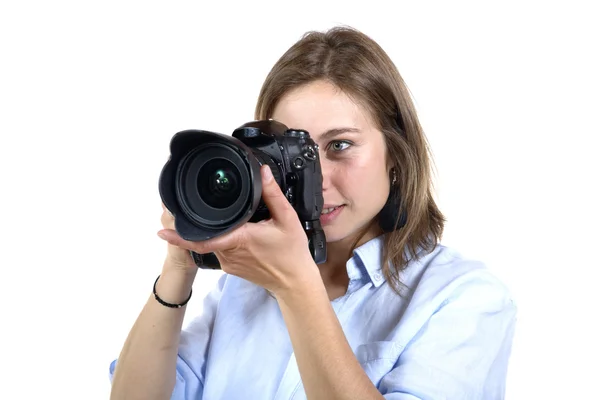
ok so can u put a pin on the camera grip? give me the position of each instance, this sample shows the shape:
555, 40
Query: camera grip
317, 243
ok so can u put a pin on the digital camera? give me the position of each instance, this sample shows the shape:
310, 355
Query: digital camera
211, 183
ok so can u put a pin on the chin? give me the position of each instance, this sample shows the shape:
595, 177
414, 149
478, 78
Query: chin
337, 233
333, 234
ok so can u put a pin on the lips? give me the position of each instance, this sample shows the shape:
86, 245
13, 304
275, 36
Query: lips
326, 211
328, 208
330, 213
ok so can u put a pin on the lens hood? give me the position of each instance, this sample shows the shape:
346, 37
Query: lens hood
185, 186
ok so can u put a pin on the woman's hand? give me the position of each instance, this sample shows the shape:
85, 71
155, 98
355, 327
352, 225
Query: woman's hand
177, 258
272, 253
179, 269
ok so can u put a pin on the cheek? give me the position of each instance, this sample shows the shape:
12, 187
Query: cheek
362, 180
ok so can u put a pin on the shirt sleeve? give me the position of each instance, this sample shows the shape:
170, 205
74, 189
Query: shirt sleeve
193, 347
462, 350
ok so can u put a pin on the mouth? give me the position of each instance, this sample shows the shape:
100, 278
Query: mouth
329, 209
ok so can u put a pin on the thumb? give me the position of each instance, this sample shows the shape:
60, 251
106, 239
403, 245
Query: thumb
279, 207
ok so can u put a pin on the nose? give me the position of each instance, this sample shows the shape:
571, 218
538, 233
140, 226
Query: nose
326, 171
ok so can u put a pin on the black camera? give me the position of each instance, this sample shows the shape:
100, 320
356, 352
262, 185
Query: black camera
212, 184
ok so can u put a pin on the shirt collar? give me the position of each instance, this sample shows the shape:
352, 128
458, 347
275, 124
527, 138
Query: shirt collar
368, 258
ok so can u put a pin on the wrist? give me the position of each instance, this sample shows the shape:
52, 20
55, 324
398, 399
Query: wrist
174, 286
309, 286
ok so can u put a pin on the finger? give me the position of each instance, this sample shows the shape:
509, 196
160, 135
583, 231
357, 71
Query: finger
279, 207
167, 220
228, 241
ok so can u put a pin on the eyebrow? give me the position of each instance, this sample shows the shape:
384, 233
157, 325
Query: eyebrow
331, 133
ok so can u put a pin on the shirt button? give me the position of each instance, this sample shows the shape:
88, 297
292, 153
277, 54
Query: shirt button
377, 277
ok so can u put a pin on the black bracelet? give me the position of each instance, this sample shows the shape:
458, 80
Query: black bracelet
164, 303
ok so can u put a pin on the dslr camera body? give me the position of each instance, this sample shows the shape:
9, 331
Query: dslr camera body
211, 183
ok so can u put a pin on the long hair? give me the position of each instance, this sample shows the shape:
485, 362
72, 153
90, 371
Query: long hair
358, 66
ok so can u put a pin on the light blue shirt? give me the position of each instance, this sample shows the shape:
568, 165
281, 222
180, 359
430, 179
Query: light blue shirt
450, 337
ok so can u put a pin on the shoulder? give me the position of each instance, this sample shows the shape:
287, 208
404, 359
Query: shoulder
445, 276
456, 328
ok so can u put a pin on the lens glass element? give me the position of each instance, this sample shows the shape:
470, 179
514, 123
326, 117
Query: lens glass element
219, 183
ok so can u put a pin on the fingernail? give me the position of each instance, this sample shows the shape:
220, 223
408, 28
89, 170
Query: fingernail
162, 235
267, 174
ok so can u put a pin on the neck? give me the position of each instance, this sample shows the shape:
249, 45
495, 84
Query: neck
338, 253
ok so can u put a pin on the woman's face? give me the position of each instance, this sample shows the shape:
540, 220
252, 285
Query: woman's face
352, 152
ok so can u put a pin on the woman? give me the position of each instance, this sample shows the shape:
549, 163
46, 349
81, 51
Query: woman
391, 314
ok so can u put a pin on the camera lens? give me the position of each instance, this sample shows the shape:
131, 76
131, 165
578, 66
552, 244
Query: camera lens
213, 185
219, 183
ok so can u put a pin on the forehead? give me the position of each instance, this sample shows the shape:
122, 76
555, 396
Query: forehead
320, 106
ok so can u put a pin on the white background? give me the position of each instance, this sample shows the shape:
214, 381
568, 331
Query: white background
91, 93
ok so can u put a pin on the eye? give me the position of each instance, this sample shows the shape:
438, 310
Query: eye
339, 145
